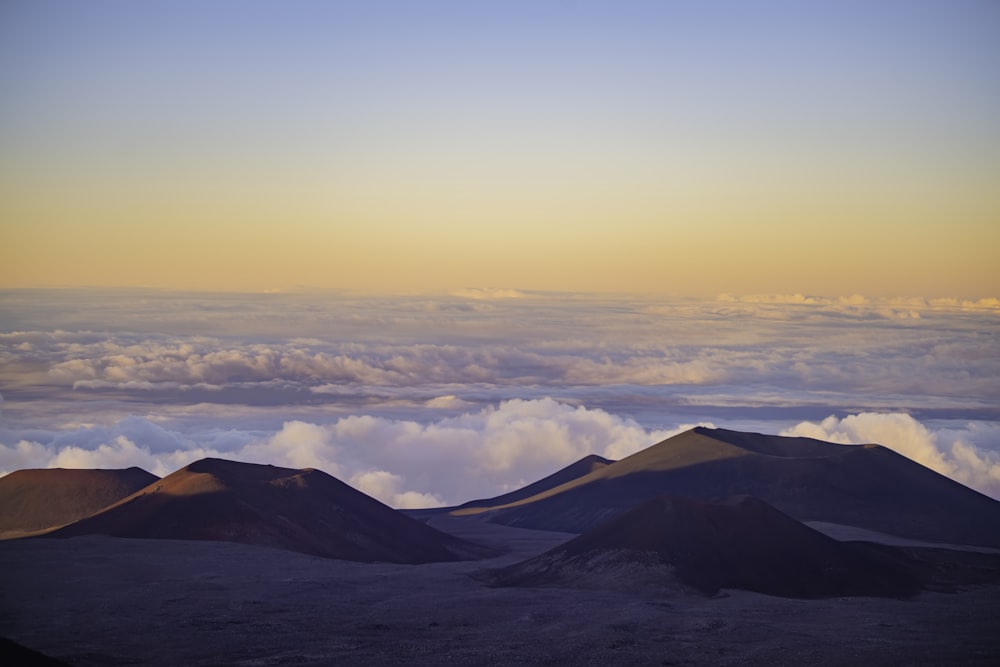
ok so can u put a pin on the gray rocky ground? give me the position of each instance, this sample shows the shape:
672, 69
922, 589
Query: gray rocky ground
105, 601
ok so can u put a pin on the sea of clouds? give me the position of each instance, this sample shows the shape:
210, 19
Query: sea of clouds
437, 400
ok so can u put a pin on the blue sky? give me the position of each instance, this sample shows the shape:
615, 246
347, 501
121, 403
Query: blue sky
386, 133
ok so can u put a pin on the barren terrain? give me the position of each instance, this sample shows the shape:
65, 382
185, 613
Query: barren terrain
112, 601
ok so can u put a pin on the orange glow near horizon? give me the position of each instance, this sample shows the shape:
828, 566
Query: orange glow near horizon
588, 159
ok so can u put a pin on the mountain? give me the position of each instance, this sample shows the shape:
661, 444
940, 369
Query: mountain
40, 499
585, 466
300, 510
868, 486
12, 653
741, 543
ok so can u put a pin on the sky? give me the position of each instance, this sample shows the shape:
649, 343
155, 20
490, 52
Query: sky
682, 148
440, 249
434, 400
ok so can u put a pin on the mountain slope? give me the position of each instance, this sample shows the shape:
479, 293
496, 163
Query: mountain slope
861, 485
742, 543
300, 510
577, 469
585, 466
40, 499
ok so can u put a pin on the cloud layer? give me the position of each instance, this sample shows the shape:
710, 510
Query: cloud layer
861, 352
403, 463
952, 453
429, 399
454, 459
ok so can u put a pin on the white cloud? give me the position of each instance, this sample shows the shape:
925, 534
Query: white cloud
297, 445
490, 451
345, 350
449, 402
798, 306
119, 453
385, 486
477, 454
23, 454
774, 298
401, 462
354, 385
949, 453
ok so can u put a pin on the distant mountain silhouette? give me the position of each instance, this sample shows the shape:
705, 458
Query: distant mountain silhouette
40, 499
300, 510
584, 466
861, 485
742, 543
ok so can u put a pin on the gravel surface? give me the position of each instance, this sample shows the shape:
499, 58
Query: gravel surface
107, 601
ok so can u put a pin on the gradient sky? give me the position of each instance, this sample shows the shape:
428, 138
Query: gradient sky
685, 147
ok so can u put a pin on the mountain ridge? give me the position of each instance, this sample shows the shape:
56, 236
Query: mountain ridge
303, 510
869, 486
741, 542
38, 499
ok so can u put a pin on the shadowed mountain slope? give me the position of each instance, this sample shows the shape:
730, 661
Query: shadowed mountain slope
40, 499
12, 653
584, 466
741, 543
861, 485
300, 510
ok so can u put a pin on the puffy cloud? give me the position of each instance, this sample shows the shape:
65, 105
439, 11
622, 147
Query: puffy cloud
129, 385
492, 450
130, 441
346, 351
119, 453
329, 368
534, 437
949, 453
297, 445
773, 298
477, 454
385, 486
354, 385
400, 462
23, 454
798, 306
985, 304
449, 402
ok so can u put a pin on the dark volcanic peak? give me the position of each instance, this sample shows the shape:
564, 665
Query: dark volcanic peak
238, 470
300, 510
773, 445
860, 485
40, 499
742, 543
575, 470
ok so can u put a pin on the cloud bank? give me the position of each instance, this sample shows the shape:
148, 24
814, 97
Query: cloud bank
420, 350
428, 399
454, 459
951, 453
403, 463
